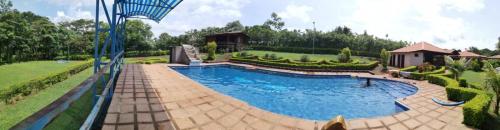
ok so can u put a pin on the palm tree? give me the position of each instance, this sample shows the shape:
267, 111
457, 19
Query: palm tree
493, 82
456, 66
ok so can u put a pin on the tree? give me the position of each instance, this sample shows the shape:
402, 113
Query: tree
165, 41
138, 36
457, 67
275, 22
492, 82
5, 5
384, 56
234, 26
211, 47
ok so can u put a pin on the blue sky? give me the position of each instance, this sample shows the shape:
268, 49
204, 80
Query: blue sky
446, 23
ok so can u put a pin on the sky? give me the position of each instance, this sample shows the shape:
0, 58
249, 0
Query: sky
452, 24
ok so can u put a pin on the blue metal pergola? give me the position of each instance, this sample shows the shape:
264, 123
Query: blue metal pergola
121, 10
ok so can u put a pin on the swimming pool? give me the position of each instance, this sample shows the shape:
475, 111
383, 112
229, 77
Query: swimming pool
303, 96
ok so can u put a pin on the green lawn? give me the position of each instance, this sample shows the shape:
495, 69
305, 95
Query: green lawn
296, 56
134, 60
474, 77
12, 114
25, 71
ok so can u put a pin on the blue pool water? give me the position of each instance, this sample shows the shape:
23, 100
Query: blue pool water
303, 96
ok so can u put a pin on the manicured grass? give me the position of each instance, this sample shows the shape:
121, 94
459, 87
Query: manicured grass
14, 113
474, 77
134, 60
296, 56
25, 71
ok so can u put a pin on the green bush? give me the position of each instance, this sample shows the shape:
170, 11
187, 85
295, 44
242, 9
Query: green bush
476, 65
344, 55
274, 57
305, 58
462, 82
477, 102
13, 92
145, 53
211, 47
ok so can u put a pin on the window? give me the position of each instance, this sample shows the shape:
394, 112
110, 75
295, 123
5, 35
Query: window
416, 54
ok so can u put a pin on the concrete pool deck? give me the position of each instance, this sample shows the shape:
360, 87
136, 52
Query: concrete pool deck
157, 97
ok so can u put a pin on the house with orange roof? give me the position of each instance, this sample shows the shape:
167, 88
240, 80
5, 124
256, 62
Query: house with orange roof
418, 54
423, 52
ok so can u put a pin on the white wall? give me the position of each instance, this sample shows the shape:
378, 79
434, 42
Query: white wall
412, 60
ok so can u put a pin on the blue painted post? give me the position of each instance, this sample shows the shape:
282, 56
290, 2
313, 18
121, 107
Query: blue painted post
113, 38
97, 59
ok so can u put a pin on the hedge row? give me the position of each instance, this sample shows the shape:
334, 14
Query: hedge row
152, 61
145, 53
12, 93
316, 50
477, 102
423, 76
409, 69
325, 65
74, 57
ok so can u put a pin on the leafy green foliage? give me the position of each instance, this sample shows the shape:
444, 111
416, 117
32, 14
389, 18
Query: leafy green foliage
384, 57
211, 47
345, 55
492, 82
456, 66
476, 65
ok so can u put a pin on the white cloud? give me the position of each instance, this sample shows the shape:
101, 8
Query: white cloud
300, 12
422, 20
196, 14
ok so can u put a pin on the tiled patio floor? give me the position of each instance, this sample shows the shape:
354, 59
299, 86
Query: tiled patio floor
155, 96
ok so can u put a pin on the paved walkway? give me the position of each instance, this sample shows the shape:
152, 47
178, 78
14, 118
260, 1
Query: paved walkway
155, 96
135, 104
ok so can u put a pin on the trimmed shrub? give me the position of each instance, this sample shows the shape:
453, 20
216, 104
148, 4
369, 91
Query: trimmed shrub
211, 47
423, 76
462, 82
304, 58
345, 55
274, 57
477, 102
409, 69
74, 57
308, 65
145, 53
9, 93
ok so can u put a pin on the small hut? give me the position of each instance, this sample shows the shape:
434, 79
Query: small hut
229, 41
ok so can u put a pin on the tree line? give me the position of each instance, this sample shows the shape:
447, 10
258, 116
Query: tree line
271, 33
25, 36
